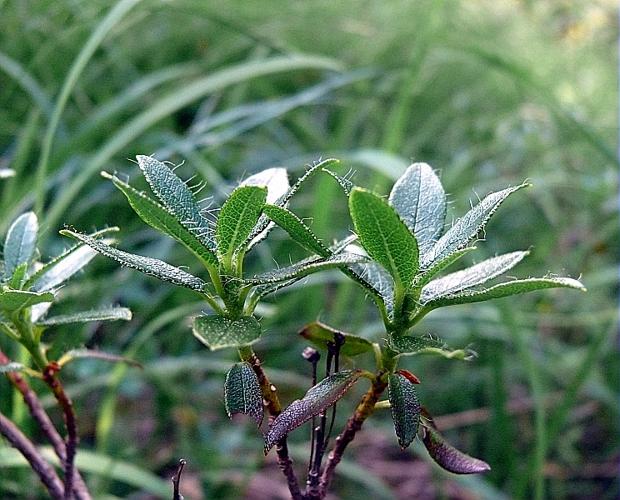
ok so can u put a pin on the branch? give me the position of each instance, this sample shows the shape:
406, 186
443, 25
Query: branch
44, 470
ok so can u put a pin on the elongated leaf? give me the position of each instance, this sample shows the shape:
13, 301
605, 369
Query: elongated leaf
177, 198
419, 199
92, 354
14, 300
472, 276
237, 218
160, 218
20, 242
146, 265
318, 398
219, 332
406, 345
320, 334
379, 279
19, 276
440, 265
296, 229
405, 408
514, 287
108, 314
12, 368
449, 457
464, 229
384, 236
242, 392
346, 185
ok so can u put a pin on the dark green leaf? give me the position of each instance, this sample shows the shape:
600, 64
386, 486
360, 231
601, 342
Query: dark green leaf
317, 399
108, 314
406, 345
296, 229
405, 408
218, 332
14, 300
242, 392
20, 242
320, 334
449, 457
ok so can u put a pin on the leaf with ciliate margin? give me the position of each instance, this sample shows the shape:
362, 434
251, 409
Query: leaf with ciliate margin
177, 198
219, 332
242, 392
19, 275
317, 399
426, 276
107, 314
375, 275
237, 218
296, 229
14, 300
468, 226
346, 185
405, 345
161, 219
405, 408
320, 334
20, 242
448, 457
384, 235
146, 265
507, 289
419, 199
472, 276
12, 368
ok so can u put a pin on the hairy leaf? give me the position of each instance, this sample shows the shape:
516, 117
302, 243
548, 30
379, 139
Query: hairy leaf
108, 314
14, 300
440, 265
472, 276
19, 276
419, 199
384, 235
346, 185
320, 334
20, 242
242, 392
147, 265
12, 367
377, 277
296, 229
405, 408
160, 218
318, 398
219, 332
406, 345
176, 197
449, 457
468, 226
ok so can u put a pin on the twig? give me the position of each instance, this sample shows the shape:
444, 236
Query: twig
176, 480
44, 470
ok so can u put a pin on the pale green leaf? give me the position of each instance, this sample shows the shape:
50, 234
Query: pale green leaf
405, 408
296, 229
20, 242
14, 300
320, 334
100, 355
440, 265
242, 392
219, 332
405, 345
448, 457
12, 367
108, 314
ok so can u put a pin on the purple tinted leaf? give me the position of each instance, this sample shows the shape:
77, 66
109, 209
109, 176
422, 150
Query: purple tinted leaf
449, 457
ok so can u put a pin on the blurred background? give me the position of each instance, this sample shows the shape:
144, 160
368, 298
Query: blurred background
489, 93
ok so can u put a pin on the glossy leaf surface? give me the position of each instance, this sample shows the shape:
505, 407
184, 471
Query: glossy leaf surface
448, 457
20, 242
405, 408
320, 334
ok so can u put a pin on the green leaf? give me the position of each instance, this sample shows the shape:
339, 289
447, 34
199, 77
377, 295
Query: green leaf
237, 218
472, 276
405, 408
440, 265
14, 300
405, 345
177, 198
384, 236
20, 242
242, 392
320, 334
219, 332
346, 185
468, 226
92, 354
378, 278
296, 229
146, 265
12, 367
514, 287
449, 457
108, 314
419, 199
317, 399
160, 218
19, 275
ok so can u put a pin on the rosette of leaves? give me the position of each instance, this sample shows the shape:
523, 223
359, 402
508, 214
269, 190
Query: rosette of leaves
220, 243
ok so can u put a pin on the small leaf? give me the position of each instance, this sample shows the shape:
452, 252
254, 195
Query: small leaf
177, 198
19, 275
384, 236
219, 332
471, 276
320, 334
146, 265
467, 226
161, 219
242, 392
449, 457
296, 229
419, 199
92, 354
109, 314
405, 408
12, 368
406, 345
237, 218
346, 185
317, 399
20, 242
14, 300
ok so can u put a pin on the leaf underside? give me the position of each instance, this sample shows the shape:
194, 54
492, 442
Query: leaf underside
20, 242
320, 334
219, 332
405, 408
448, 457
242, 392
108, 314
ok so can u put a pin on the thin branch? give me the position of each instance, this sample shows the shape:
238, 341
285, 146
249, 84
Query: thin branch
176, 480
44, 470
